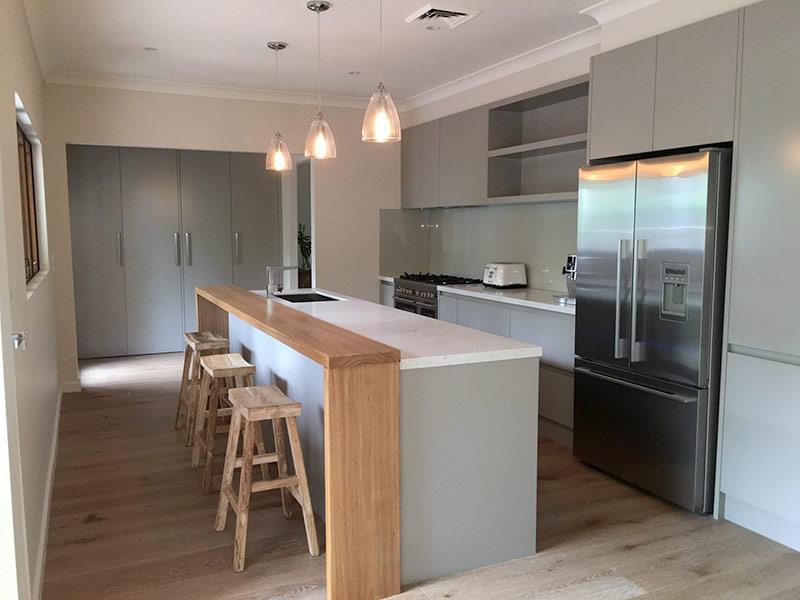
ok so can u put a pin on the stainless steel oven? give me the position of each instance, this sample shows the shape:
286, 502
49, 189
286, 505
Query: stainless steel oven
418, 292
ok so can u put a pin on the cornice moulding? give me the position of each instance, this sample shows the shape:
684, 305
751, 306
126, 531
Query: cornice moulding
608, 10
207, 91
551, 51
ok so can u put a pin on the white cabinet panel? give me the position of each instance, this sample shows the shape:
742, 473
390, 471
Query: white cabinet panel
448, 308
491, 317
554, 332
766, 232
387, 293
622, 97
696, 83
761, 438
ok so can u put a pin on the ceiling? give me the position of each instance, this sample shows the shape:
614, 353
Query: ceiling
222, 43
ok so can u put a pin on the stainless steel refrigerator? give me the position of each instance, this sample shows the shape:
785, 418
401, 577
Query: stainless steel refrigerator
650, 278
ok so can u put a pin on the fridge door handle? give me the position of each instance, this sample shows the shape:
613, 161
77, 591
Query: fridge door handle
643, 388
188, 238
176, 239
639, 253
620, 349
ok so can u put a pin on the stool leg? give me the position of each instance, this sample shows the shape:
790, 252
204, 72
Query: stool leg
200, 416
193, 400
211, 432
261, 448
187, 356
280, 450
245, 485
300, 470
227, 470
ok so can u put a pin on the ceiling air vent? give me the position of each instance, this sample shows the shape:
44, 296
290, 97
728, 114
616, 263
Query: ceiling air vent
442, 14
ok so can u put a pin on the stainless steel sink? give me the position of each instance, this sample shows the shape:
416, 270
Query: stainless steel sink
306, 297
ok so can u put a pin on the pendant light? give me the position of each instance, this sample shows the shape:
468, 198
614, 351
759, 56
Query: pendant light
278, 156
381, 122
319, 141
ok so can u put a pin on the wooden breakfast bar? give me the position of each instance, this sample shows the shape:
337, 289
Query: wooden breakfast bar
362, 438
420, 437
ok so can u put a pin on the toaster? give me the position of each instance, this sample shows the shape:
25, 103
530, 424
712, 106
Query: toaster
505, 275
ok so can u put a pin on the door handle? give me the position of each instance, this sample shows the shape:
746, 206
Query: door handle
188, 239
642, 388
639, 252
237, 248
20, 340
620, 349
119, 249
176, 238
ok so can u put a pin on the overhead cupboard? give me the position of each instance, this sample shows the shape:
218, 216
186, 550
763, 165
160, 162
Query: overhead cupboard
674, 90
149, 225
525, 149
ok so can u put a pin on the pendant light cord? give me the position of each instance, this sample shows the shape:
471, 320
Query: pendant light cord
380, 42
319, 69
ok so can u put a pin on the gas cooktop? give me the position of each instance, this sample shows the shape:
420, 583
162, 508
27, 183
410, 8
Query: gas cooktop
439, 279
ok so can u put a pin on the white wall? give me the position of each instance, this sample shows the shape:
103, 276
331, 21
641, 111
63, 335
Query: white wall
28, 412
346, 192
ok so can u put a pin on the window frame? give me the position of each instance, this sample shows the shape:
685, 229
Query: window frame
30, 223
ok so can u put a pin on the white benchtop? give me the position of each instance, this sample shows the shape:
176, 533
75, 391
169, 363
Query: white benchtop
527, 297
423, 342
386, 279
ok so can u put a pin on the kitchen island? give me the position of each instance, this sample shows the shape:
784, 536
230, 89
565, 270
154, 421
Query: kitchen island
419, 435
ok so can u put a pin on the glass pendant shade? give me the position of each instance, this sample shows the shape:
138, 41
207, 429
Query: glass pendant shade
319, 141
381, 123
278, 156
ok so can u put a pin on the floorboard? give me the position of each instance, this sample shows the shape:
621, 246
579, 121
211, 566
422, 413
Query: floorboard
128, 522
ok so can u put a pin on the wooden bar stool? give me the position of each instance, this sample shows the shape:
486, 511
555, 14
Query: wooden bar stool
221, 373
198, 343
251, 406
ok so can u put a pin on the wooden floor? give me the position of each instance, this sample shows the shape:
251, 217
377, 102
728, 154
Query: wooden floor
129, 522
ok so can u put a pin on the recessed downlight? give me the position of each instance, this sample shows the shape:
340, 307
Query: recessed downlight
150, 49
354, 73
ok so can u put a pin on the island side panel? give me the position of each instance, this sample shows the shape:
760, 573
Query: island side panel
301, 379
468, 463
362, 486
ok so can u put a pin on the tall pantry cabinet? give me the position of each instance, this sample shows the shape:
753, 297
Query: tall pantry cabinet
149, 225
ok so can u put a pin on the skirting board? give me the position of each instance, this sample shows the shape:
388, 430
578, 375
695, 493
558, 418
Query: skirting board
761, 521
555, 431
38, 574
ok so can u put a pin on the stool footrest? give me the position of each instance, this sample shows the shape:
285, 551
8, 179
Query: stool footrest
258, 459
274, 484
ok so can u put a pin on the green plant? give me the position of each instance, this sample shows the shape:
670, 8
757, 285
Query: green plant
304, 246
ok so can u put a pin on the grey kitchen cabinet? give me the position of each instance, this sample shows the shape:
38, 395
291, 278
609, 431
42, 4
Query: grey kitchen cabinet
420, 166
152, 249
621, 100
463, 167
205, 190
696, 83
553, 331
97, 255
256, 206
766, 212
387, 293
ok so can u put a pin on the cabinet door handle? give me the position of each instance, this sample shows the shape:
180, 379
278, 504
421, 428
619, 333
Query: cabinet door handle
188, 237
120, 260
237, 247
176, 238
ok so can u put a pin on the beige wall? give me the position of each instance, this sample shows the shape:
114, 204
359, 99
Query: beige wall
346, 192
29, 390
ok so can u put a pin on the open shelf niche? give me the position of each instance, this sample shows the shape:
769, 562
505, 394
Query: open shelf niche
536, 146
